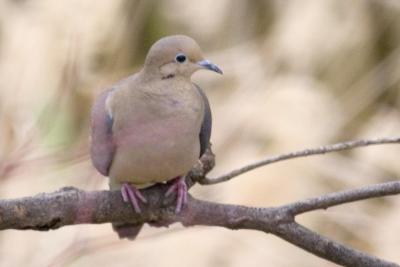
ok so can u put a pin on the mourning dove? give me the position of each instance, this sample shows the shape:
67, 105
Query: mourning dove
153, 126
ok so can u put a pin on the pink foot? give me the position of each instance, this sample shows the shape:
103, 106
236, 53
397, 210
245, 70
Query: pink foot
180, 187
131, 194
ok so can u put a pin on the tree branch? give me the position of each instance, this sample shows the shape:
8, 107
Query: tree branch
70, 206
326, 248
298, 154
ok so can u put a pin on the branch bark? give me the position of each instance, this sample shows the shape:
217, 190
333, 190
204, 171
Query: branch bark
70, 206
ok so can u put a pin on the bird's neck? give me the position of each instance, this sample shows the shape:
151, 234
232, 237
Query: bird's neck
148, 74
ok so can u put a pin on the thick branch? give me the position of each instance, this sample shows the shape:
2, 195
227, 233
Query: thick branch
298, 154
72, 206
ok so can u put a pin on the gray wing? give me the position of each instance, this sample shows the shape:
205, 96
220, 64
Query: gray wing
102, 145
205, 131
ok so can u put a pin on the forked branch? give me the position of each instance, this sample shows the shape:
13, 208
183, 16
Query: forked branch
70, 206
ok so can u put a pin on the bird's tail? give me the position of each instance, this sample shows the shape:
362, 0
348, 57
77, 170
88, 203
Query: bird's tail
125, 230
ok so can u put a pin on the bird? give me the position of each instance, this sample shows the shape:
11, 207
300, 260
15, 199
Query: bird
153, 126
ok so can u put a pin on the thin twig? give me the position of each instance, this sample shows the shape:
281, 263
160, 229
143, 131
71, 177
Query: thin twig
302, 153
342, 197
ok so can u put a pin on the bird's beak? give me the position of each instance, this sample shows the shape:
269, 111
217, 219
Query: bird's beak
206, 64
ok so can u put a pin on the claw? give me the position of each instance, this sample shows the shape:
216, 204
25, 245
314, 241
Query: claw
180, 187
131, 194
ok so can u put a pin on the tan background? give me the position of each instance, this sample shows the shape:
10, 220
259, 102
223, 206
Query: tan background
298, 74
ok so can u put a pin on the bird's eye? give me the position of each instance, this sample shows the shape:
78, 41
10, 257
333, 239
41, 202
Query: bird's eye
180, 58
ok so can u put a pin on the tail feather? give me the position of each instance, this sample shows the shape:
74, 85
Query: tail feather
129, 231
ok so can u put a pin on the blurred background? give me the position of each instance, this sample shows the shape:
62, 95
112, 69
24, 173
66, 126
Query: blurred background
298, 74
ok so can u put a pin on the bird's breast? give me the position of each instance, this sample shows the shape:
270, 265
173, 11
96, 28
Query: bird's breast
158, 140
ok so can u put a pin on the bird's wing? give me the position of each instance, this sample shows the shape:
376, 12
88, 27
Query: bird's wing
102, 145
205, 131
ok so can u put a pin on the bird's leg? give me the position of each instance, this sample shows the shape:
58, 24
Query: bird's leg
131, 194
178, 185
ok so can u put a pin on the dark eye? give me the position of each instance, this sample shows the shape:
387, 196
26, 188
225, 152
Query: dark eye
180, 58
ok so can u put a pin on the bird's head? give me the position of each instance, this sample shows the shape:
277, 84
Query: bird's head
176, 55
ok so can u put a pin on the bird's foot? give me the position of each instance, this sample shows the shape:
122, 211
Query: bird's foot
131, 194
180, 187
